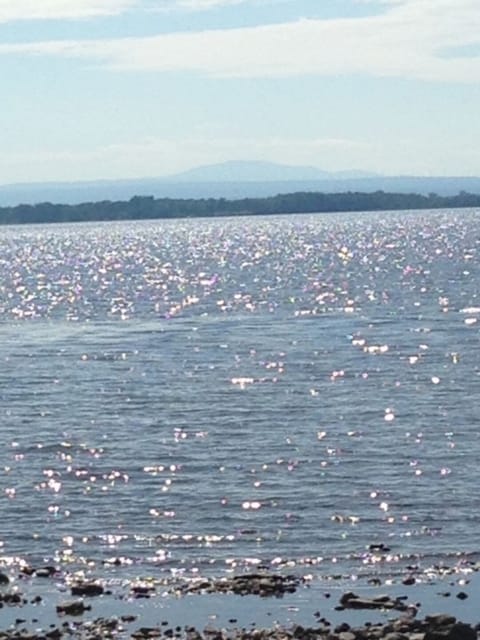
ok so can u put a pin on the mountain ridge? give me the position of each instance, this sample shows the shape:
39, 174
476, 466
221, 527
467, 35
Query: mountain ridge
261, 171
184, 185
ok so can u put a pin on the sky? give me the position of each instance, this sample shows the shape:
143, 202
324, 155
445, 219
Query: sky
102, 89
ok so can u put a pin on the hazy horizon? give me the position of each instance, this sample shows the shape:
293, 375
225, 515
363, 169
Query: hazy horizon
128, 89
220, 173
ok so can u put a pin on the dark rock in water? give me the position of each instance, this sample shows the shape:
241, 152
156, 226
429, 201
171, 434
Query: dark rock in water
409, 580
45, 572
88, 589
142, 592
261, 584
462, 595
4, 579
350, 600
72, 608
10, 598
379, 547
146, 632
128, 618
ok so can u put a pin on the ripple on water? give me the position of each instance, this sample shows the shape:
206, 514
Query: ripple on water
227, 393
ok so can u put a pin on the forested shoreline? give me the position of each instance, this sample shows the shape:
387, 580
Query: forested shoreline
148, 207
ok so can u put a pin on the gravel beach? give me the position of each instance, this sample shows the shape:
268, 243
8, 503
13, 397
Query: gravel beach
44, 602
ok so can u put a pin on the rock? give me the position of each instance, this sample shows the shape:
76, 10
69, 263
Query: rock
350, 600
142, 592
261, 584
72, 608
378, 547
4, 579
146, 632
457, 631
440, 619
462, 595
128, 618
10, 598
462, 631
89, 589
45, 572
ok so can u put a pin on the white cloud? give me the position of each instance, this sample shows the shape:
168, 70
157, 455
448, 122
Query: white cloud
202, 5
409, 39
198, 5
12, 10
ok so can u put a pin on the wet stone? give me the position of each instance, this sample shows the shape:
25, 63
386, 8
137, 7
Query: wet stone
10, 598
350, 600
89, 589
146, 632
72, 608
263, 585
142, 592
45, 572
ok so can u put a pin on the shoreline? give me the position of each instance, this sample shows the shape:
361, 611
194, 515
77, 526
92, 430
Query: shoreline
52, 604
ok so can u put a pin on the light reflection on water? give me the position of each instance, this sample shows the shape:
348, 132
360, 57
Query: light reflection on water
218, 394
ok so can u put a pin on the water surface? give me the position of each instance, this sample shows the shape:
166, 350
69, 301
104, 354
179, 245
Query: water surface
197, 396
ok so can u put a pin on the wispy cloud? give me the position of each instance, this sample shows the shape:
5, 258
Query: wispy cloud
408, 39
199, 5
13, 10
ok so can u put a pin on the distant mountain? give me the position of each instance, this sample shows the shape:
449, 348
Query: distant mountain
233, 180
245, 171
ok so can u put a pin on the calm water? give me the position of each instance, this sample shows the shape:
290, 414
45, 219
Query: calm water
197, 396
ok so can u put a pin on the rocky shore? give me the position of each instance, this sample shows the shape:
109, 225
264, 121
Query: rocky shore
434, 627
75, 613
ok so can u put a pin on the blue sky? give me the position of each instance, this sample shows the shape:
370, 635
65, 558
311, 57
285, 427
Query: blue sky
97, 89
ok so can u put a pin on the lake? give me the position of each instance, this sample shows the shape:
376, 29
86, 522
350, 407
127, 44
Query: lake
200, 396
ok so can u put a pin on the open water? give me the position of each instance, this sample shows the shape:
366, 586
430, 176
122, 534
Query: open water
197, 396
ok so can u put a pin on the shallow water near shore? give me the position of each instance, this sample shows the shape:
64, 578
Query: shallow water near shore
201, 398
306, 607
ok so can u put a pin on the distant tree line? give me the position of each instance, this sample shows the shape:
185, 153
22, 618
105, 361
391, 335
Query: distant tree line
148, 207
